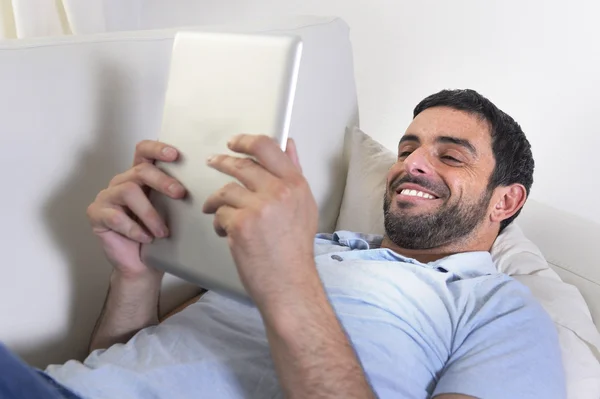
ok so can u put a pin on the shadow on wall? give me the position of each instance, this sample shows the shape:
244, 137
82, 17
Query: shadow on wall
67, 224
116, 132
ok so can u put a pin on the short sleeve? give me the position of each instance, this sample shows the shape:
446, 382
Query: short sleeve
507, 348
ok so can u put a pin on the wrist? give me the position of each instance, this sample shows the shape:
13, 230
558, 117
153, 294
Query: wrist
148, 277
140, 294
142, 289
299, 277
296, 306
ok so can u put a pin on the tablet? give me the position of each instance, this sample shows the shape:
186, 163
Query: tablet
219, 85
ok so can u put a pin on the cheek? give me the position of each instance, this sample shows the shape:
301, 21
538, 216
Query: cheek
394, 173
467, 191
459, 187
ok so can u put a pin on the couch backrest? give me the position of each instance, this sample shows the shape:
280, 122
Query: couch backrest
71, 111
568, 243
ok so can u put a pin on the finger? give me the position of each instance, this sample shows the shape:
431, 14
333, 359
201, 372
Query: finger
223, 218
105, 219
266, 151
146, 174
251, 174
132, 197
148, 151
233, 195
292, 151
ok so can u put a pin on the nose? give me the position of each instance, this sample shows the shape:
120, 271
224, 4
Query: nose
417, 163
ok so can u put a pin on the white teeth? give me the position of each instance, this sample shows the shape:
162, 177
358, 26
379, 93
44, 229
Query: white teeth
415, 193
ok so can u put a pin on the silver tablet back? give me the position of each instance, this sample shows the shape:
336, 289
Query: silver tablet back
219, 85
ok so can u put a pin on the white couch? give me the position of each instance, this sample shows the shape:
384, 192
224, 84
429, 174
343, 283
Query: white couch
570, 245
71, 111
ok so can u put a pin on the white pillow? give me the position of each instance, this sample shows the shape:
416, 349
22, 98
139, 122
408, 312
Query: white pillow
512, 252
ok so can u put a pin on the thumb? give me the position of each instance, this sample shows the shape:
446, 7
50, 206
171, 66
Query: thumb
292, 152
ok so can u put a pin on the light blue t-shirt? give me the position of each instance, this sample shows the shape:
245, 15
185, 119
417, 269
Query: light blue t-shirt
456, 325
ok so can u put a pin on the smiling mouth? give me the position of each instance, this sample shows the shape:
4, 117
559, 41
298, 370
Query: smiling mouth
416, 193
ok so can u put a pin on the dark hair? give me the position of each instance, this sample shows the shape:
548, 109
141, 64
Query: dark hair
511, 149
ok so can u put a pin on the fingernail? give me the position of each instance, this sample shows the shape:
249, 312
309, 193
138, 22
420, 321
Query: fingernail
163, 232
145, 238
173, 188
169, 152
232, 140
210, 159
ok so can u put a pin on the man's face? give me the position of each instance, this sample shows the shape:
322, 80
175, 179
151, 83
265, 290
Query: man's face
437, 191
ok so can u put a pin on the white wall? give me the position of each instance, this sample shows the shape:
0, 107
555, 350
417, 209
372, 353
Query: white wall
537, 60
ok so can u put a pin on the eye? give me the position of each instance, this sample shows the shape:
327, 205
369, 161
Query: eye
404, 154
450, 159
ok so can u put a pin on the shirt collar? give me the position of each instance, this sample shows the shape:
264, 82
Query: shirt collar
468, 264
464, 265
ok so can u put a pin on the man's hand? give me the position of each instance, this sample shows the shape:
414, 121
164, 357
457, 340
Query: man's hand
123, 218
270, 219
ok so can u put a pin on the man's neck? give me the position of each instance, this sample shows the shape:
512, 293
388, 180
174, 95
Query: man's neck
470, 244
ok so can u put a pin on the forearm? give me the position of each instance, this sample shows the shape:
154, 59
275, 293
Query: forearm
312, 355
131, 305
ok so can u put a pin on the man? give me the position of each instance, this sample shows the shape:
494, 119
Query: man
421, 312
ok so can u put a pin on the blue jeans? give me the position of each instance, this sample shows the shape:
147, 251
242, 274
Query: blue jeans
20, 381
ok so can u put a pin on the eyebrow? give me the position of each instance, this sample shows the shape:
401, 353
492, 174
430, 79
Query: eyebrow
409, 137
444, 140
461, 142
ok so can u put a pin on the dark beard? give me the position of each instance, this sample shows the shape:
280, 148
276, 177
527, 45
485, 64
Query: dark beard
449, 224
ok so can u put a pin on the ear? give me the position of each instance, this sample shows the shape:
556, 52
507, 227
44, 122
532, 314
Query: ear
508, 201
